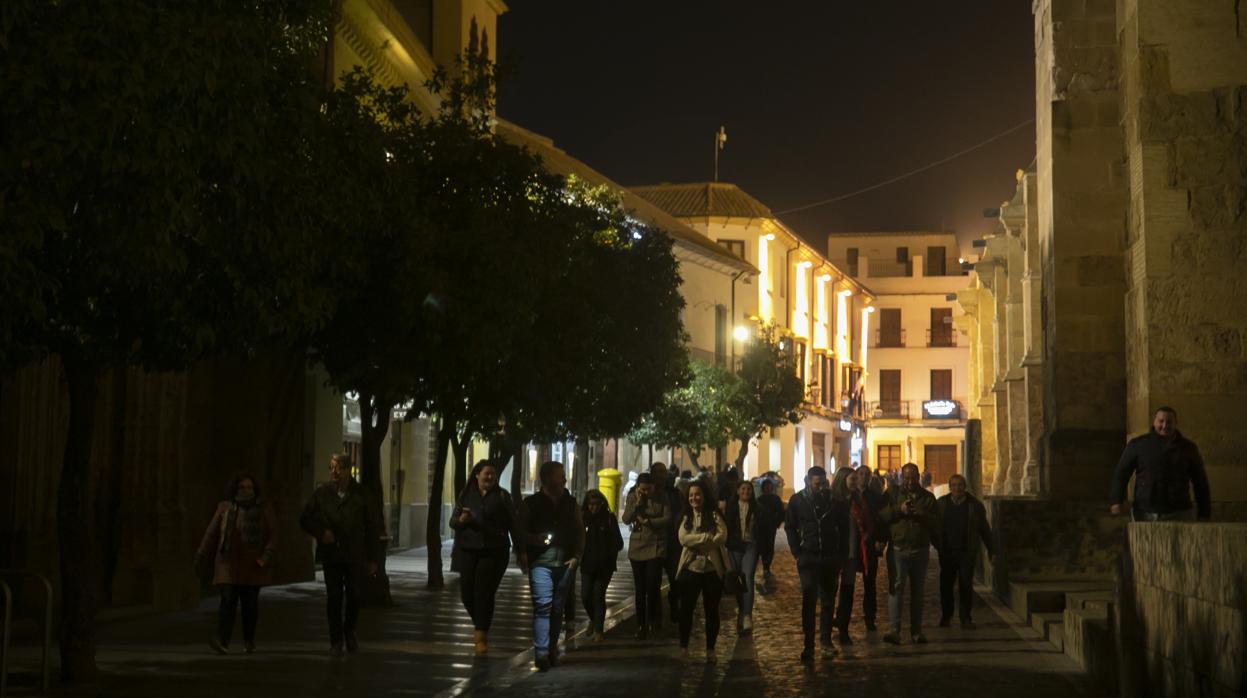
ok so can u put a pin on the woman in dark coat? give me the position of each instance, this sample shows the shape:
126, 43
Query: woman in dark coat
603, 542
484, 522
239, 541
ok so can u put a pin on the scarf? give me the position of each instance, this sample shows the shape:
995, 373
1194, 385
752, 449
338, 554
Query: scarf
251, 531
865, 524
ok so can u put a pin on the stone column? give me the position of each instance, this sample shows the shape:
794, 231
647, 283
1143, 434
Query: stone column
1184, 107
1081, 197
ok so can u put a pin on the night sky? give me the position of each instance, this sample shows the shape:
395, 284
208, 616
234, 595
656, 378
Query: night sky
819, 98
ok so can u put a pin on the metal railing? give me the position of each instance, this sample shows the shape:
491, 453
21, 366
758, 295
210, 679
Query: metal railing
890, 409
889, 337
8, 622
941, 337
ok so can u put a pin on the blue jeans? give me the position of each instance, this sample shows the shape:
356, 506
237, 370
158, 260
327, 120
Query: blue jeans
548, 586
911, 566
747, 562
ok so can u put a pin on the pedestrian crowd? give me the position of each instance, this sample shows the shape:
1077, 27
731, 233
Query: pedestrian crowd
704, 535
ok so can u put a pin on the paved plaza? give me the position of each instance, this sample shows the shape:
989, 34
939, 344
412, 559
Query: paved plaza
422, 647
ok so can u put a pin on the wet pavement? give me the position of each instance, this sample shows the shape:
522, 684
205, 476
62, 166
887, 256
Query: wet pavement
422, 646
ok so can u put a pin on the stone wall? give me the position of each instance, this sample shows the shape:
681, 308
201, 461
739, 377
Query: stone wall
176, 439
1053, 539
1184, 107
1081, 199
1182, 621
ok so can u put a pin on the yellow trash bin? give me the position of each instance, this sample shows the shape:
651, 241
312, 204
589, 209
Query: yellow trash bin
608, 483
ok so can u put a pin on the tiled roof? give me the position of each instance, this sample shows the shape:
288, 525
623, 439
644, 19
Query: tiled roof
558, 161
703, 199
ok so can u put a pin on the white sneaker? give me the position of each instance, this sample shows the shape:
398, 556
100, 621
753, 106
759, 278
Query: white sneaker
746, 623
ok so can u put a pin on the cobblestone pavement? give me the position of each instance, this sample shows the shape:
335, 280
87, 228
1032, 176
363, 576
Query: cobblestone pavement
422, 646
997, 659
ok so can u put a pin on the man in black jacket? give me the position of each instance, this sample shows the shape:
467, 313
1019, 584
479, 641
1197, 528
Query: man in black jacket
963, 525
812, 527
347, 529
1165, 465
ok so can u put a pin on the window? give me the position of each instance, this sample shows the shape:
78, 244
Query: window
720, 335
941, 333
888, 457
829, 382
941, 461
800, 349
902, 255
890, 334
941, 384
935, 261
851, 258
736, 247
890, 393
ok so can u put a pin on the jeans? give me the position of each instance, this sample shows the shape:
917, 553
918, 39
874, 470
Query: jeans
548, 586
747, 562
818, 581
1184, 515
647, 578
911, 566
479, 578
342, 583
593, 595
956, 566
710, 587
231, 595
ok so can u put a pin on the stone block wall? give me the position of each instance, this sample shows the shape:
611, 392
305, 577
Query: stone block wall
1184, 108
1081, 204
1053, 539
1182, 621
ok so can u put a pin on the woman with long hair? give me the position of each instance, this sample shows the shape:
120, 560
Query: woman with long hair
647, 513
483, 521
859, 553
602, 545
702, 567
239, 543
744, 530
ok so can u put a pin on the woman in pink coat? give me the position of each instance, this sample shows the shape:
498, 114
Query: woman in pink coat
240, 542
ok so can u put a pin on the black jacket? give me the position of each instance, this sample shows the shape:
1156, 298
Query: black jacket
603, 542
977, 527
356, 526
813, 527
545, 523
770, 513
492, 520
1164, 472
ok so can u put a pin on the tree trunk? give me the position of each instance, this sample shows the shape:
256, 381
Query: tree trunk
580, 469
433, 525
744, 453
517, 471
374, 425
109, 494
459, 446
79, 575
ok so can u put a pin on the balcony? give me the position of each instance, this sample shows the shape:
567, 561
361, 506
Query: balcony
890, 409
941, 337
932, 411
889, 337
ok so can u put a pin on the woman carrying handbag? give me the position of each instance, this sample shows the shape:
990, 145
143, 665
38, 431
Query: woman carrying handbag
703, 564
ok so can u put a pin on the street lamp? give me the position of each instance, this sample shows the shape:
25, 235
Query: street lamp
741, 333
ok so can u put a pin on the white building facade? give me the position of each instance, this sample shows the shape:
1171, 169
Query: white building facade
917, 389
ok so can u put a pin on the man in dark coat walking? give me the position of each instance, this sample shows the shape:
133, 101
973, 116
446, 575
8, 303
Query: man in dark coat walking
347, 529
963, 526
813, 529
1165, 465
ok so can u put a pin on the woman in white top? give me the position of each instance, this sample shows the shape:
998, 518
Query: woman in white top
702, 566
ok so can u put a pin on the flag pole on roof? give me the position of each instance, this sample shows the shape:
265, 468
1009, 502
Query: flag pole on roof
720, 139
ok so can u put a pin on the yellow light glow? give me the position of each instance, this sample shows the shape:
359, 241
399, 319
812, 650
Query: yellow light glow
805, 265
820, 313
770, 236
825, 277
865, 334
846, 293
741, 333
801, 309
870, 309
842, 327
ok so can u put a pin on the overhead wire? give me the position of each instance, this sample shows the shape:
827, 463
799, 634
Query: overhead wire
909, 174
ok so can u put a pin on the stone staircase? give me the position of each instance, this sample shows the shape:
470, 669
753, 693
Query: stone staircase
1076, 616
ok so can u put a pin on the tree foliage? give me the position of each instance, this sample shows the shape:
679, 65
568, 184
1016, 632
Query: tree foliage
148, 207
770, 393
699, 414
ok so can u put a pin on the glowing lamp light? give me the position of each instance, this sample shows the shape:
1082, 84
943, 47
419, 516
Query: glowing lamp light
846, 425
805, 265
870, 309
846, 293
741, 333
962, 260
825, 277
782, 345
770, 236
